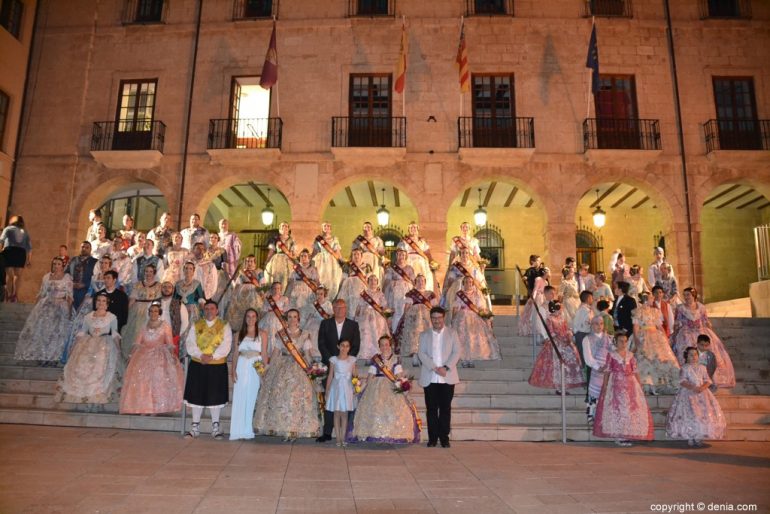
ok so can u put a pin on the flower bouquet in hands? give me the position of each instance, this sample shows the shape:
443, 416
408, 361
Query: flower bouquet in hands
317, 374
402, 385
357, 385
259, 366
486, 314
434, 266
387, 313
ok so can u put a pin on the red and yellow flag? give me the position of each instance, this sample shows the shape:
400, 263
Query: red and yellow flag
402, 59
462, 62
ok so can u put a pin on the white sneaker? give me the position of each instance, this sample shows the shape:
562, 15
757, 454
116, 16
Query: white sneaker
193, 432
215, 432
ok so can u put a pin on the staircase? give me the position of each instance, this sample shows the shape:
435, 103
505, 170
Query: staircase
492, 402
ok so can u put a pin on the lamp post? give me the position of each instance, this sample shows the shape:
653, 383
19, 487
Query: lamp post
383, 215
600, 217
268, 214
480, 214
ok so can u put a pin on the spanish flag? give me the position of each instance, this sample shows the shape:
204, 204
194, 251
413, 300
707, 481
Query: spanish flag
462, 62
402, 59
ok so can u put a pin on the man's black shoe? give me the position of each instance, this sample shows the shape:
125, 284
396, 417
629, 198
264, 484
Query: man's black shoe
431, 444
445, 444
323, 438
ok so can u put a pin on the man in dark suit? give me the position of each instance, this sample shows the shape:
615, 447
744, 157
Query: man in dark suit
624, 305
330, 333
118, 299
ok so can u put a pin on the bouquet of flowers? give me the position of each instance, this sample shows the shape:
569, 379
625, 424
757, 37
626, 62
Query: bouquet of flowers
402, 385
485, 291
486, 314
317, 374
385, 261
483, 262
357, 386
259, 366
434, 266
387, 313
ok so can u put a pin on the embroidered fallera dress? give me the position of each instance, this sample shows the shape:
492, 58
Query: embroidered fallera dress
329, 270
695, 415
658, 366
48, 326
546, 372
477, 340
688, 325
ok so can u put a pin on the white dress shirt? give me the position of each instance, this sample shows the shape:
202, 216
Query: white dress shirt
222, 350
339, 328
582, 320
437, 356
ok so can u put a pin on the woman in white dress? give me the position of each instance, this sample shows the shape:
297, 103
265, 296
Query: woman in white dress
453, 281
354, 282
299, 292
658, 367
416, 317
246, 294
315, 311
418, 255
271, 321
568, 292
371, 323
279, 256
399, 279
95, 365
101, 246
326, 256
636, 282
251, 349
174, 259
473, 326
372, 249
467, 241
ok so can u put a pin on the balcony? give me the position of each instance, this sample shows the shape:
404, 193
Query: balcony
489, 7
736, 141
621, 134
243, 139
608, 8
368, 131
254, 9
143, 12
128, 143
488, 140
725, 9
371, 8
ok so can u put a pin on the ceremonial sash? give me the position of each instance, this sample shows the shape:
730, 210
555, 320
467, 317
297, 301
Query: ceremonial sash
357, 271
461, 244
280, 244
326, 246
414, 246
252, 276
308, 282
462, 269
467, 301
398, 269
285, 338
277, 311
417, 297
370, 247
379, 363
374, 305
320, 310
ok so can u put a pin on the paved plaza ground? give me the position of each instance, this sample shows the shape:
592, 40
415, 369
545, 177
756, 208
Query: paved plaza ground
52, 469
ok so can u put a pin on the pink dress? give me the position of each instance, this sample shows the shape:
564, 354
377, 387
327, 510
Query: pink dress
695, 415
154, 380
688, 325
622, 411
528, 317
546, 372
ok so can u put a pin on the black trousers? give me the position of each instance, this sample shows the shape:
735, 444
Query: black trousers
438, 404
579, 337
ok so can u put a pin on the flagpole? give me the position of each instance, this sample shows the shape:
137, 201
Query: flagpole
590, 75
277, 95
406, 57
462, 107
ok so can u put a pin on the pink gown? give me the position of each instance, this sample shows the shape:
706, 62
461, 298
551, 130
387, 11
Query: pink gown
528, 318
154, 380
695, 415
546, 372
687, 326
622, 411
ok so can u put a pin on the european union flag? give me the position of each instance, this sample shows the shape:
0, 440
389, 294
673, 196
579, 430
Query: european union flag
592, 61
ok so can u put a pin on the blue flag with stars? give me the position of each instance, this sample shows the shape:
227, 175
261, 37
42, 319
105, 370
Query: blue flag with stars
592, 61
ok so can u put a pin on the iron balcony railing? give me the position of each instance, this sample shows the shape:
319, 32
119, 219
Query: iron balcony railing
621, 134
128, 135
737, 135
254, 9
143, 11
245, 133
489, 7
371, 8
725, 9
608, 8
369, 131
478, 132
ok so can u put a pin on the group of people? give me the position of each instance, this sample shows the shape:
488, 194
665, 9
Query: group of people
634, 340
123, 315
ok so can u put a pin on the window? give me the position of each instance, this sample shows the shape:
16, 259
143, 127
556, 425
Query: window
10, 16
371, 7
248, 9
609, 8
736, 110
135, 115
391, 235
589, 249
249, 112
489, 7
726, 9
369, 110
491, 245
493, 111
4, 102
616, 112
149, 11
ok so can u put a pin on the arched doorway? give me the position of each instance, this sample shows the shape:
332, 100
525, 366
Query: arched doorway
242, 205
634, 224
728, 217
143, 202
357, 203
514, 230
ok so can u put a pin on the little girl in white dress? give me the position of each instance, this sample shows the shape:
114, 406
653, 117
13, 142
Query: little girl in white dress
339, 389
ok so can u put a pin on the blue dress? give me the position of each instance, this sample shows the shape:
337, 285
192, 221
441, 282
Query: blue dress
245, 390
340, 395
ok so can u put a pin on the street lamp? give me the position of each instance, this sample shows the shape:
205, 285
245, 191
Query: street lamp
480, 214
600, 217
268, 214
383, 215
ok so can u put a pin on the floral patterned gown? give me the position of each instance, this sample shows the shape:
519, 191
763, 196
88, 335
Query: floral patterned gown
695, 415
299, 292
395, 287
419, 264
246, 294
477, 340
48, 326
688, 325
546, 372
329, 270
371, 324
658, 366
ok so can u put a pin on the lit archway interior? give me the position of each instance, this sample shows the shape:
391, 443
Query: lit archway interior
242, 204
515, 229
144, 202
356, 203
634, 223
728, 217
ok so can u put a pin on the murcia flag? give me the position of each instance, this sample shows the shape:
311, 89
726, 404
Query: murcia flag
402, 58
270, 68
462, 62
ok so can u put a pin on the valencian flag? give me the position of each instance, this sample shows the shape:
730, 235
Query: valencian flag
270, 68
402, 57
462, 62
592, 61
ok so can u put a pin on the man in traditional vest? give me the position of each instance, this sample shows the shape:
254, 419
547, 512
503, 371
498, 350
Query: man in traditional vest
208, 344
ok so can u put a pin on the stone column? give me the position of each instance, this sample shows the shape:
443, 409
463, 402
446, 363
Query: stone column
559, 244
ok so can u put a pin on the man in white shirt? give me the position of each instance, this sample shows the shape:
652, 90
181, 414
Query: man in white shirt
653, 272
581, 323
195, 233
439, 352
208, 344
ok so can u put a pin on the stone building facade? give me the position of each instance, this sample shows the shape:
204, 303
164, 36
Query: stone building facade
83, 51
